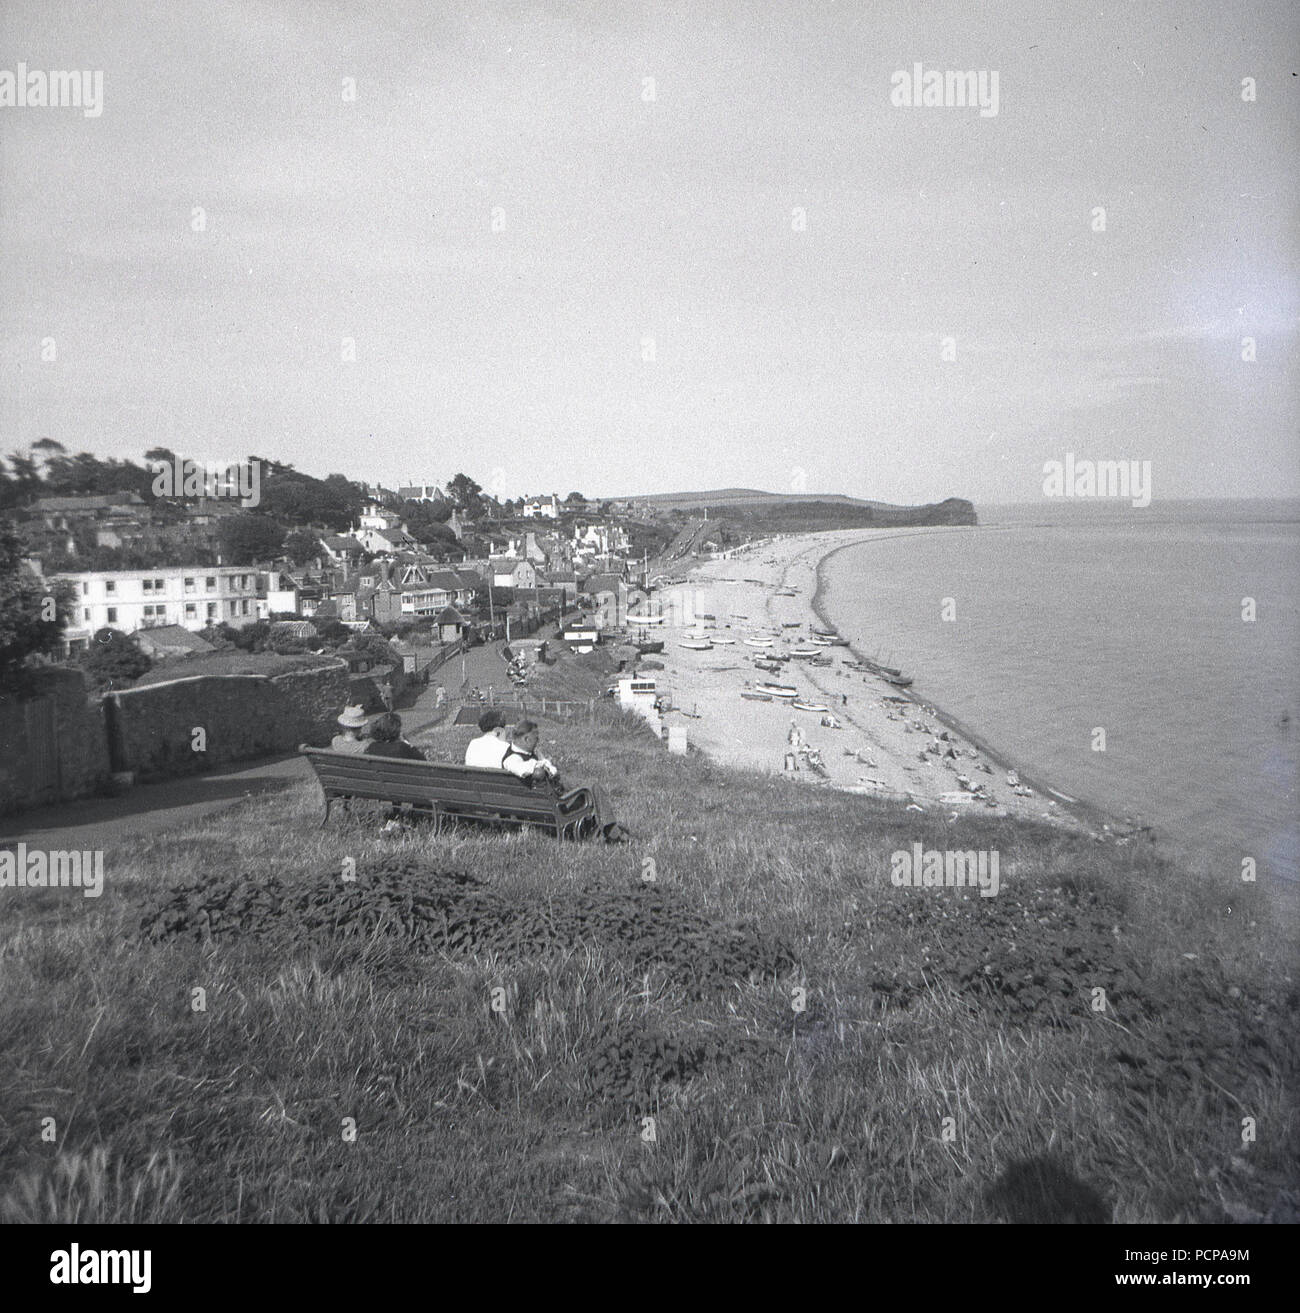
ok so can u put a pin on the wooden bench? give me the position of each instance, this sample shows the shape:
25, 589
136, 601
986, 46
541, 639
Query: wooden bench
441, 789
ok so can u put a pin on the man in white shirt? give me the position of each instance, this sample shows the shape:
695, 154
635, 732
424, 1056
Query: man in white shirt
487, 750
520, 756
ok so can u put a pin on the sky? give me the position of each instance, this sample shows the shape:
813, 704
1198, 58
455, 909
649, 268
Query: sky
643, 247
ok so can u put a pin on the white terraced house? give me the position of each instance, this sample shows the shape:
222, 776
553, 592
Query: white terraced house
191, 596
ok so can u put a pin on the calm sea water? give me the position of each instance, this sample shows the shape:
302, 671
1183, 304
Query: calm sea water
1080, 617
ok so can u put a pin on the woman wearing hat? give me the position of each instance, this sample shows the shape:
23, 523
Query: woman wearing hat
352, 739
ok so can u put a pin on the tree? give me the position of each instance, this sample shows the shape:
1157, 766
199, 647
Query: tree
114, 660
575, 499
330, 630
302, 546
466, 495
247, 538
32, 616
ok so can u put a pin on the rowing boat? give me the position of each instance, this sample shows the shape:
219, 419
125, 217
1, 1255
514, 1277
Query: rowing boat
799, 705
757, 697
692, 645
778, 690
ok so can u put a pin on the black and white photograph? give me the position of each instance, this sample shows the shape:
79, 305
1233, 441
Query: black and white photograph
657, 612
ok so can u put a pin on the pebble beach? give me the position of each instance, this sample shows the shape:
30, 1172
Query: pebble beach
873, 738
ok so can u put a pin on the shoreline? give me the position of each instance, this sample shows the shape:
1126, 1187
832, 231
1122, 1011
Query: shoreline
881, 728
1091, 815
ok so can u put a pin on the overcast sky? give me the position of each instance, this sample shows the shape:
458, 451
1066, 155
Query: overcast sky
782, 358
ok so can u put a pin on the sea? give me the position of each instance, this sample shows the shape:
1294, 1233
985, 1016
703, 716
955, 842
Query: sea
1143, 660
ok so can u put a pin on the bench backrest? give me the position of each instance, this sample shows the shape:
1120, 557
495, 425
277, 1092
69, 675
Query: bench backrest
393, 779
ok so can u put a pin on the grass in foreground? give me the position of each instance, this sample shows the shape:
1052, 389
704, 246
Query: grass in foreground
945, 1061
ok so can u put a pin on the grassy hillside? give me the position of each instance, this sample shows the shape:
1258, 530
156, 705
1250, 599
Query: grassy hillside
500, 1039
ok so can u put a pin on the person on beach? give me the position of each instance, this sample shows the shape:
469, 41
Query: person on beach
353, 738
386, 734
489, 748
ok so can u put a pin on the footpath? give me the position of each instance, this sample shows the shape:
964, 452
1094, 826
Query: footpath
171, 804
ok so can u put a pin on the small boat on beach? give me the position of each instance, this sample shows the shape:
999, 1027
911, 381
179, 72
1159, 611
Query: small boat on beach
778, 690
789, 624
821, 632
649, 649
898, 681
696, 645
799, 705
805, 651
772, 667
756, 697
718, 638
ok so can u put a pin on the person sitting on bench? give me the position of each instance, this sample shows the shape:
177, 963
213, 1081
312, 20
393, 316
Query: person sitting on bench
388, 741
487, 750
521, 759
353, 721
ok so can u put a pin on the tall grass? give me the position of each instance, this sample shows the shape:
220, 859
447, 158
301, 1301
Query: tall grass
849, 1102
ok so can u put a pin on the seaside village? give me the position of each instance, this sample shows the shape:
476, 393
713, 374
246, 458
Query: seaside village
193, 632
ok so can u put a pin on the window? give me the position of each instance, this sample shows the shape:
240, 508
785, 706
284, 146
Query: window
112, 615
85, 590
110, 585
191, 611
85, 614
189, 585
212, 610
210, 584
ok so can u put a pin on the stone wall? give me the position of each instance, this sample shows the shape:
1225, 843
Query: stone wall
151, 730
52, 744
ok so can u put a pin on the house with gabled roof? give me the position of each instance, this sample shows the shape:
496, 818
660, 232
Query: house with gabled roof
342, 548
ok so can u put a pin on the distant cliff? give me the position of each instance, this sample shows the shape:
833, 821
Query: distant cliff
776, 514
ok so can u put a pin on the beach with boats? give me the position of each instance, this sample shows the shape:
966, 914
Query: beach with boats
761, 679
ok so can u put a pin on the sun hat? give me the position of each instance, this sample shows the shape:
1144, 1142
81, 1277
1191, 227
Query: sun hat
353, 718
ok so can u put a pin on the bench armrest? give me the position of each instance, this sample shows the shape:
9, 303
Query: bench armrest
575, 800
